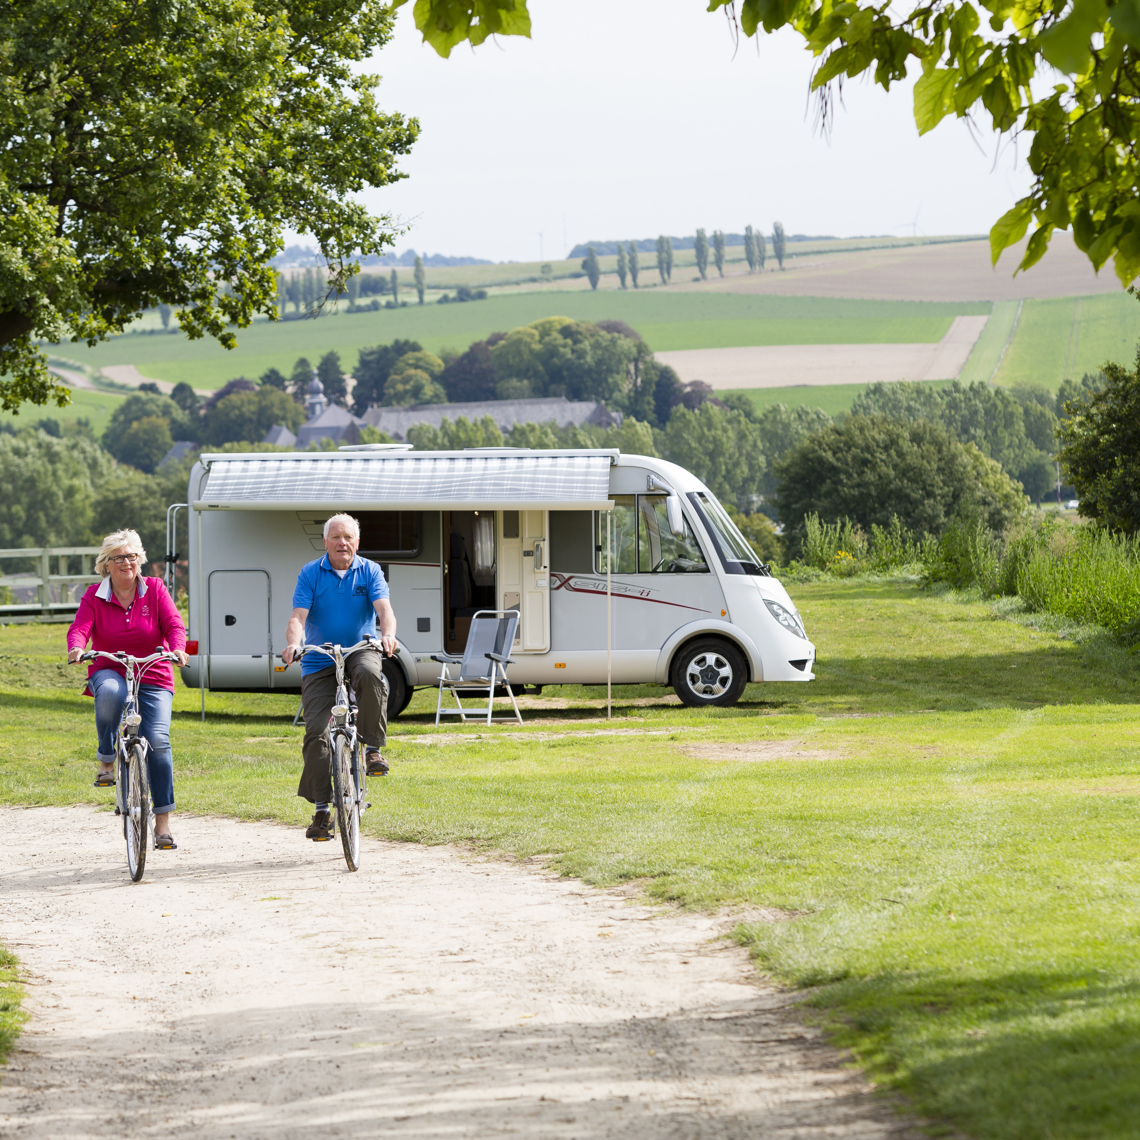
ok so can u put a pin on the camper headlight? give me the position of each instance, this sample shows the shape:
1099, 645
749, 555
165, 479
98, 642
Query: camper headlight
786, 618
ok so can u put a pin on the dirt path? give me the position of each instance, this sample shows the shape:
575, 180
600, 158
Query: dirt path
250, 987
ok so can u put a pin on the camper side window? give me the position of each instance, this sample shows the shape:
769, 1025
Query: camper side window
659, 550
642, 542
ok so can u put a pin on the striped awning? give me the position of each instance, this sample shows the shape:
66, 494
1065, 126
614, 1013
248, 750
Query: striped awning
408, 481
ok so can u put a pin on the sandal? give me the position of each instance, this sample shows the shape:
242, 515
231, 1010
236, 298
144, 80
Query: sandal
165, 842
105, 779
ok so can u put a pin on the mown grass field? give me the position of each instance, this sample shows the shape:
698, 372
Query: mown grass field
666, 320
947, 820
832, 398
1069, 336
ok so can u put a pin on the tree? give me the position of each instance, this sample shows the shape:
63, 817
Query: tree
49, 485
456, 436
750, 249
1084, 119
669, 258
779, 242
373, 367
130, 497
721, 447
760, 246
634, 266
300, 379
425, 361
701, 250
140, 406
869, 469
418, 275
186, 398
661, 258
413, 386
667, 394
471, 376
146, 442
718, 251
247, 416
271, 378
1100, 449
164, 312
158, 154
622, 265
590, 265
331, 375
394, 284
781, 430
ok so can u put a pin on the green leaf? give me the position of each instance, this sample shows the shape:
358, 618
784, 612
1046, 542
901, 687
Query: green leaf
1010, 228
1125, 18
1068, 44
1126, 261
934, 97
1036, 248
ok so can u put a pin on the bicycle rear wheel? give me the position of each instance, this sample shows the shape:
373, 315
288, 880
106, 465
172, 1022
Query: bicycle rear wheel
136, 816
347, 803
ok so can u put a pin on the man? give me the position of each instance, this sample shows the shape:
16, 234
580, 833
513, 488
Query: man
338, 599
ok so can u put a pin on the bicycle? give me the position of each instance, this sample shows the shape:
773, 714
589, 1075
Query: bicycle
132, 788
349, 778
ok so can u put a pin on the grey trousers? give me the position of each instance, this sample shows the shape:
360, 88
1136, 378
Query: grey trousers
365, 673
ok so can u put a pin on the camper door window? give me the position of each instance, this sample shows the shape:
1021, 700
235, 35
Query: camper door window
642, 541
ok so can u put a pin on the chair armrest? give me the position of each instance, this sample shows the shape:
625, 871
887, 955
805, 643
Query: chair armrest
498, 657
446, 658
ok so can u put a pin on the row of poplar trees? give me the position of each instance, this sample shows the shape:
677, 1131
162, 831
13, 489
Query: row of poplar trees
629, 263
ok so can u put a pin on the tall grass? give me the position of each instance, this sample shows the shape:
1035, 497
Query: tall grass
1079, 572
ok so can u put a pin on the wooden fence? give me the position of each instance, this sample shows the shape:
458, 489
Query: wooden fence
55, 597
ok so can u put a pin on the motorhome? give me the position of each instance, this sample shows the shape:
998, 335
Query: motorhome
623, 568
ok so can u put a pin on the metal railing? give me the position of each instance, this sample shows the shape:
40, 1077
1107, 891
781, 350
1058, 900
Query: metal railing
48, 596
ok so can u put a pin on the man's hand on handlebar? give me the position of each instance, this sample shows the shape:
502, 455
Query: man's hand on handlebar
290, 654
388, 643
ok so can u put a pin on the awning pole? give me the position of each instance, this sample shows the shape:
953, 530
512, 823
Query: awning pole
609, 614
198, 615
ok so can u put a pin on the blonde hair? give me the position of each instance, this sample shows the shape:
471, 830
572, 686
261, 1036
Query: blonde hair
342, 518
125, 537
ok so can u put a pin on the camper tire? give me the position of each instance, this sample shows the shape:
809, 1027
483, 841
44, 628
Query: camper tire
709, 671
399, 691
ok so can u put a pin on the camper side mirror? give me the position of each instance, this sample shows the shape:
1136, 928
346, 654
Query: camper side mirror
675, 518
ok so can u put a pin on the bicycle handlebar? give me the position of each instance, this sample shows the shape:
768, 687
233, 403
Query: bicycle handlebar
122, 658
329, 647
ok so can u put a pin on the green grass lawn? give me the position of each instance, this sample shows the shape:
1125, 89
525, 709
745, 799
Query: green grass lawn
97, 407
668, 320
1069, 336
947, 819
832, 398
989, 347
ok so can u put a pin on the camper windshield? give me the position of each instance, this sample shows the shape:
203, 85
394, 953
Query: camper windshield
735, 553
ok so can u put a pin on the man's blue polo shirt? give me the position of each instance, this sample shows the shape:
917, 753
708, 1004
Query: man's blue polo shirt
340, 609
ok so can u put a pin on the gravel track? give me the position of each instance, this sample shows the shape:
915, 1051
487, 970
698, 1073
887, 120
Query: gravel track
251, 987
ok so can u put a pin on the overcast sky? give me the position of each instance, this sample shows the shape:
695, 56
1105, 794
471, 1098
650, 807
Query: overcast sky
629, 118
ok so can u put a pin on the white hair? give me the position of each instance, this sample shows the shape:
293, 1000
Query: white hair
119, 538
348, 520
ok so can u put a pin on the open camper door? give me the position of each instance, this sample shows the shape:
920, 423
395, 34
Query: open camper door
524, 576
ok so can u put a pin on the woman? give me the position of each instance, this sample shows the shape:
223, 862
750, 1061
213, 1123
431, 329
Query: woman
132, 614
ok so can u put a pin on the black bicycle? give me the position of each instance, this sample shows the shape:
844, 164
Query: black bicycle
349, 778
132, 788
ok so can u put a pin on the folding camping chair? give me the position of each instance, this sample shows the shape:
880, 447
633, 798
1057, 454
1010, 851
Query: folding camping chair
482, 666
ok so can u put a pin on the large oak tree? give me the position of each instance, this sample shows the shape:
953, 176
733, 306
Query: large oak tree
154, 151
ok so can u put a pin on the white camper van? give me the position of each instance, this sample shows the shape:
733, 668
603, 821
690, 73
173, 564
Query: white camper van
565, 537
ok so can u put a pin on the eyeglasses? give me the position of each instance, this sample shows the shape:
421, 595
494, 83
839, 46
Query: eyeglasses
119, 559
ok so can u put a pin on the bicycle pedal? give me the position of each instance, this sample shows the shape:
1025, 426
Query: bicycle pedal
118, 811
321, 838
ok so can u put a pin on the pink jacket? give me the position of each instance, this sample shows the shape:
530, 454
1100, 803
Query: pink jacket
152, 620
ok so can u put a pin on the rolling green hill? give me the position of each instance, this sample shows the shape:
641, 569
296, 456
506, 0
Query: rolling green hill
666, 320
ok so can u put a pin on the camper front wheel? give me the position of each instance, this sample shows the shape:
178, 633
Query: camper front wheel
399, 691
709, 672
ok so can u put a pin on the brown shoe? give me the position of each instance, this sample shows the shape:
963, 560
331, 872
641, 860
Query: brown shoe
321, 827
375, 764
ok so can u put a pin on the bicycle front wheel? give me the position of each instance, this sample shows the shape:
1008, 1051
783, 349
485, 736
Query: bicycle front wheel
136, 814
347, 802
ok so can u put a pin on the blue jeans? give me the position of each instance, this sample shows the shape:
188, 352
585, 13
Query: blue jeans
110, 689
